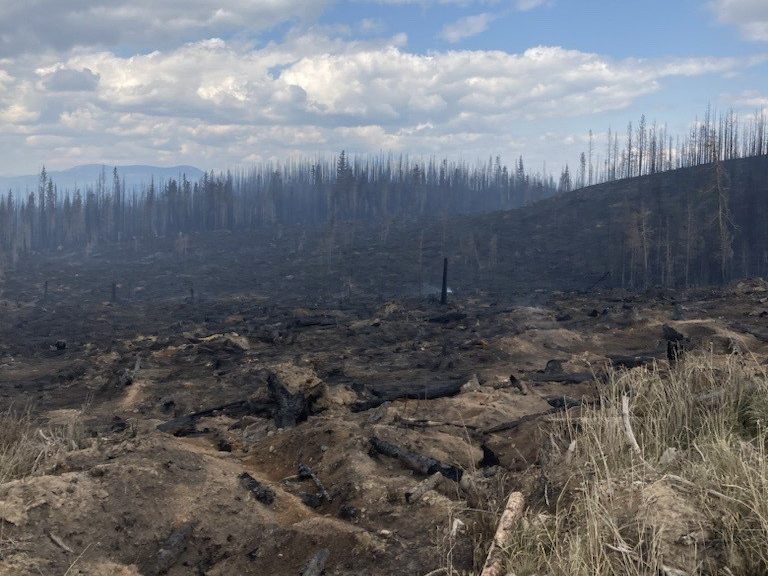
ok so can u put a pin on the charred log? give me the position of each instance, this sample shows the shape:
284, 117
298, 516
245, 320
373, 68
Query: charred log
186, 425
417, 462
260, 492
410, 392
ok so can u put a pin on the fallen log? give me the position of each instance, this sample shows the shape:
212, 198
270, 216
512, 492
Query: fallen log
173, 547
562, 378
186, 425
513, 512
422, 423
630, 362
418, 463
423, 487
260, 492
557, 403
512, 424
316, 564
409, 392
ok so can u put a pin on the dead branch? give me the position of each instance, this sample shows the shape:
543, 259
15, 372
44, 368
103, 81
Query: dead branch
512, 424
513, 512
60, 543
417, 423
306, 473
316, 564
628, 425
423, 487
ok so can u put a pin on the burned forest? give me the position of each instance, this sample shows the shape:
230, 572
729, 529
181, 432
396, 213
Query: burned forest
346, 288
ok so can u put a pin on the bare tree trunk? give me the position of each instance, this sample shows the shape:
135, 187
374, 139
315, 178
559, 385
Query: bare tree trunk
444, 293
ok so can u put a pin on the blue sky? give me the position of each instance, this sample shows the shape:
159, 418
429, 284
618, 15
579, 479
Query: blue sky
233, 82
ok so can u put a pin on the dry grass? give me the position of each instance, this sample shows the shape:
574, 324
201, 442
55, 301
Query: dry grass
27, 449
690, 498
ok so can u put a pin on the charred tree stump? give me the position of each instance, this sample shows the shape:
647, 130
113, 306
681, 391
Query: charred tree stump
674, 353
675, 344
316, 564
291, 409
113, 297
444, 292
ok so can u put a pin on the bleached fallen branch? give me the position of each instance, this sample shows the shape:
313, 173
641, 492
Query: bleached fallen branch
494, 563
570, 452
628, 425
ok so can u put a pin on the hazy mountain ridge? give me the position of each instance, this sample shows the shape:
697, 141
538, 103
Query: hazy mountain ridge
88, 174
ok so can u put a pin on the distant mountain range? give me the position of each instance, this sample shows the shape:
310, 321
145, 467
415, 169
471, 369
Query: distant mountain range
88, 174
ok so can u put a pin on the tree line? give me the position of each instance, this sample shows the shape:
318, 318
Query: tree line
295, 193
357, 188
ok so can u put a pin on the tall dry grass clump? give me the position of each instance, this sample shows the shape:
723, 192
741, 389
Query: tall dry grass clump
666, 474
27, 449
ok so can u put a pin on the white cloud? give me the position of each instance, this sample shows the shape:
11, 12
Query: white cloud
751, 16
216, 103
466, 27
750, 99
69, 80
526, 5
63, 24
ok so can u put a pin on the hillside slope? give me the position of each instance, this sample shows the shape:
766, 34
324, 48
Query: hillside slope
660, 230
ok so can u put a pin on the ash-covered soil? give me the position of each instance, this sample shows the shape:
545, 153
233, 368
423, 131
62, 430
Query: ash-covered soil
291, 426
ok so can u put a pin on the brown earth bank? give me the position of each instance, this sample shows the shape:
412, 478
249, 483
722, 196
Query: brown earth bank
211, 427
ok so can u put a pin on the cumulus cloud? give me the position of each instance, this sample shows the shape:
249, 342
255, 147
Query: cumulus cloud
466, 27
526, 5
750, 99
219, 103
69, 80
751, 16
62, 25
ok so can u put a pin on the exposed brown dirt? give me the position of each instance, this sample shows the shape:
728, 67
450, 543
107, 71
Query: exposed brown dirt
109, 508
